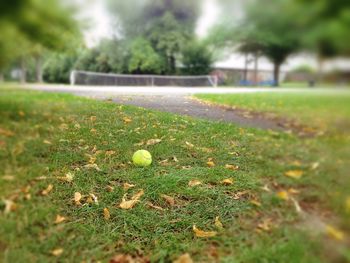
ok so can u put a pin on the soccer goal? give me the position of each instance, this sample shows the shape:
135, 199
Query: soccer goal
78, 77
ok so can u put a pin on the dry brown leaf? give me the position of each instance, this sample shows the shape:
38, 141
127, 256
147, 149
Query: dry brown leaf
93, 118
185, 258
106, 213
153, 141
109, 188
93, 198
231, 167
296, 174
334, 233
154, 206
6, 133
201, 233
210, 164
93, 130
265, 225
77, 198
10, 206
57, 252
128, 204
227, 181
59, 219
127, 186
255, 202
67, 178
238, 195
218, 223
109, 153
170, 200
92, 166
47, 190
122, 258
194, 183
283, 195
189, 144
127, 120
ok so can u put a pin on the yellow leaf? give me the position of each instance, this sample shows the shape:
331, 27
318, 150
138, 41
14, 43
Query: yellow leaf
185, 258
218, 223
127, 120
47, 142
67, 178
170, 200
228, 181
59, 219
10, 206
57, 252
127, 186
255, 202
210, 164
131, 203
47, 190
347, 204
334, 233
315, 165
194, 183
153, 141
77, 198
106, 213
283, 195
296, 174
231, 167
189, 144
201, 233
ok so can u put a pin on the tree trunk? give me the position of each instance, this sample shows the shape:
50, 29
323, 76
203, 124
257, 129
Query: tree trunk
39, 69
276, 74
1, 77
245, 72
23, 76
172, 65
256, 66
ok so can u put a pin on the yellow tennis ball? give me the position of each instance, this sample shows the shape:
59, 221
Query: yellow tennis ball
142, 158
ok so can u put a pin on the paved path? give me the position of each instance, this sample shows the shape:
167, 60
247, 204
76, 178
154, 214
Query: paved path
176, 100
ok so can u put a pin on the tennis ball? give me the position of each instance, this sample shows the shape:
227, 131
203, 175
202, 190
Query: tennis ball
142, 158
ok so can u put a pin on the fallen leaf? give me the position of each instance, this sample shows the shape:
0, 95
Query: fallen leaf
57, 252
93, 118
238, 195
109, 188
77, 198
94, 198
185, 258
218, 223
347, 204
106, 213
122, 258
8, 177
6, 133
315, 165
21, 113
265, 225
228, 181
170, 200
47, 142
266, 188
283, 195
92, 166
334, 233
47, 190
67, 178
293, 191
77, 126
194, 183
93, 130
189, 144
59, 219
127, 120
296, 174
10, 206
131, 203
109, 153
154, 206
255, 202
210, 164
153, 141
201, 233
231, 167
127, 186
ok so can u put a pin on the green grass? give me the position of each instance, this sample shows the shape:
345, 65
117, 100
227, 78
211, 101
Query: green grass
29, 234
326, 111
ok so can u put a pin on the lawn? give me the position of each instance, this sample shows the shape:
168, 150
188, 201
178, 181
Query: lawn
260, 196
325, 111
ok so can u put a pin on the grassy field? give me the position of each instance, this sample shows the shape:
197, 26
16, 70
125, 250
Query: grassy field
329, 111
260, 196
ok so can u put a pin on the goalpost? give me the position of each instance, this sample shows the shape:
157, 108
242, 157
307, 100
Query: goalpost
78, 77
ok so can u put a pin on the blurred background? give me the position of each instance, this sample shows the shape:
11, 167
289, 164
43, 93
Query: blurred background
243, 43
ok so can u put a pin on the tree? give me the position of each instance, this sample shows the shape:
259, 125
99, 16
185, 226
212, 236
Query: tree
143, 58
196, 59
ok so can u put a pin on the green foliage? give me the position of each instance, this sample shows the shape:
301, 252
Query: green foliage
196, 59
58, 67
143, 58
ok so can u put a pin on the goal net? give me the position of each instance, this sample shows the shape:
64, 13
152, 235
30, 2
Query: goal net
78, 77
